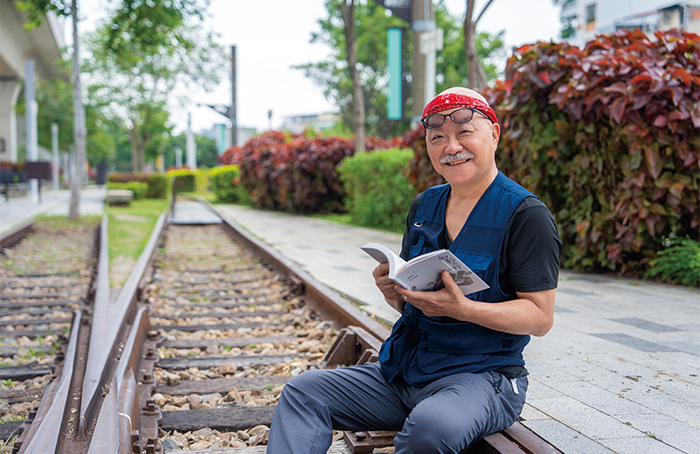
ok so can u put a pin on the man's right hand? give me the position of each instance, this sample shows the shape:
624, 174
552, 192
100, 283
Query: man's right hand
387, 287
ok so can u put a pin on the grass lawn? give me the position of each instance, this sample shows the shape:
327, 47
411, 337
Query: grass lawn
129, 229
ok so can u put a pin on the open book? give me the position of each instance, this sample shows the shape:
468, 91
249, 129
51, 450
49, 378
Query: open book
423, 272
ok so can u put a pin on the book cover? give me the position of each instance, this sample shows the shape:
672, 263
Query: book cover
422, 273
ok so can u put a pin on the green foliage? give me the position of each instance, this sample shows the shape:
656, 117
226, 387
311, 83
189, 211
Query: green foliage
139, 189
371, 22
157, 186
156, 183
333, 76
225, 182
186, 180
679, 263
451, 63
378, 189
36, 10
55, 96
141, 56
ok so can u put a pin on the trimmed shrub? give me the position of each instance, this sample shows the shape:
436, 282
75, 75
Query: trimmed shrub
138, 188
157, 186
225, 182
186, 180
126, 177
157, 182
377, 187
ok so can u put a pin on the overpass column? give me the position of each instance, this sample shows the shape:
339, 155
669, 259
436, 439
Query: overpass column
9, 94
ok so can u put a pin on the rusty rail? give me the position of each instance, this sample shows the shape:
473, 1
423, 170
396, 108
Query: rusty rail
11, 237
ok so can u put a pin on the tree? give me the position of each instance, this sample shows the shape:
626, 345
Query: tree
333, 76
451, 65
144, 54
371, 20
55, 96
476, 78
347, 12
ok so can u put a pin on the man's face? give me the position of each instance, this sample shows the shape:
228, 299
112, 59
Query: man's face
464, 153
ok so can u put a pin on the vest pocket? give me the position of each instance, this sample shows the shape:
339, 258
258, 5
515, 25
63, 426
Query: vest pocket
460, 338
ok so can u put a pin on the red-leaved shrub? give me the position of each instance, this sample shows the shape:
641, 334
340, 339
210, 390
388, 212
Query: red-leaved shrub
608, 137
293, 172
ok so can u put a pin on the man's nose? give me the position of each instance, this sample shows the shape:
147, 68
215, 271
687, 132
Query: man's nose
453, 144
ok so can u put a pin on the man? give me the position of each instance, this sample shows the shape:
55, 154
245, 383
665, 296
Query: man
452, 370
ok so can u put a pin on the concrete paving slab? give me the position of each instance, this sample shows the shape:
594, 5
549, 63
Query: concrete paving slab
565, 438
667, 430
18, 210
641, 445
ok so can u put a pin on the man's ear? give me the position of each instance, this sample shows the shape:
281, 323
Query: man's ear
495, 132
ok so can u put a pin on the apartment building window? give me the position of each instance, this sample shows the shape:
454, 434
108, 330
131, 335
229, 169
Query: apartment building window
590, 17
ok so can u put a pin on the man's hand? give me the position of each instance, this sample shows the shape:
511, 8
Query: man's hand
530, 313
444, 302
387, 286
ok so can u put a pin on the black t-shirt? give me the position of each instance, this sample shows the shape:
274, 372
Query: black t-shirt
530, 258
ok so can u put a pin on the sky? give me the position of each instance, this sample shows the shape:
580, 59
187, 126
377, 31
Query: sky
272, 36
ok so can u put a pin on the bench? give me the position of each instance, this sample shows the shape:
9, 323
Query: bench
354, 345
12, 180
119, 196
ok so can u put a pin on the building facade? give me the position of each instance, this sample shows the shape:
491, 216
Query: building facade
582, 20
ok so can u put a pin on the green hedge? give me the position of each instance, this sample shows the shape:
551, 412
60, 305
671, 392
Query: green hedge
157, 186
225, 183
186, 180
157, 183
139, 189
379, 193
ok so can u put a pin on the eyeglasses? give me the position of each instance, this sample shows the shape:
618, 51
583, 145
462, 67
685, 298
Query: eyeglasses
459, 116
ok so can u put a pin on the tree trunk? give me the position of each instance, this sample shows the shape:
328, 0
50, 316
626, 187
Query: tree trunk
475, 73
78, 122
134, 142
347, 10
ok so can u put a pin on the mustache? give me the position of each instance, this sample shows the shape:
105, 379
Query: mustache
457, 157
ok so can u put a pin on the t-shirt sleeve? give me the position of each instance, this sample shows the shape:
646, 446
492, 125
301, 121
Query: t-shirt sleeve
533, 249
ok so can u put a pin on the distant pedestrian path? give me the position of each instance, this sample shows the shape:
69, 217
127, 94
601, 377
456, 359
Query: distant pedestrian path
17, 210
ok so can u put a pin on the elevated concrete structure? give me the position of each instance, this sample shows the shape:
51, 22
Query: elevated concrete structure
43, 44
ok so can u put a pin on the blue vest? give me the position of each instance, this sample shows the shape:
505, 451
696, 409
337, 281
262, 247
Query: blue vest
422, 349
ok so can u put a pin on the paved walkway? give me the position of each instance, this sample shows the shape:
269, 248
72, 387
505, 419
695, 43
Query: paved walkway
618, 373
17, 210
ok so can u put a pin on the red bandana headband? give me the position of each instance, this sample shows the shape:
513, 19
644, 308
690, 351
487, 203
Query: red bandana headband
451, 100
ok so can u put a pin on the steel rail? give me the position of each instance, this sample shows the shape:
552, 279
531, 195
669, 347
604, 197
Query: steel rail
324, 300
9, 238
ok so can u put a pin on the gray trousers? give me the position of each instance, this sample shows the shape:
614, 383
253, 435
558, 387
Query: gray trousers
445, 416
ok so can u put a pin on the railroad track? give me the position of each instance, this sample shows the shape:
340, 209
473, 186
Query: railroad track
194, 350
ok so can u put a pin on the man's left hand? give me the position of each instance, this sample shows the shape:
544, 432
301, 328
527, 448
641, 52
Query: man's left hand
444, 302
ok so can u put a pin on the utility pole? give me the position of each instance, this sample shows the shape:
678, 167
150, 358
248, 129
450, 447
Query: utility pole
31, 123
232, 112
424, 47
54, 154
